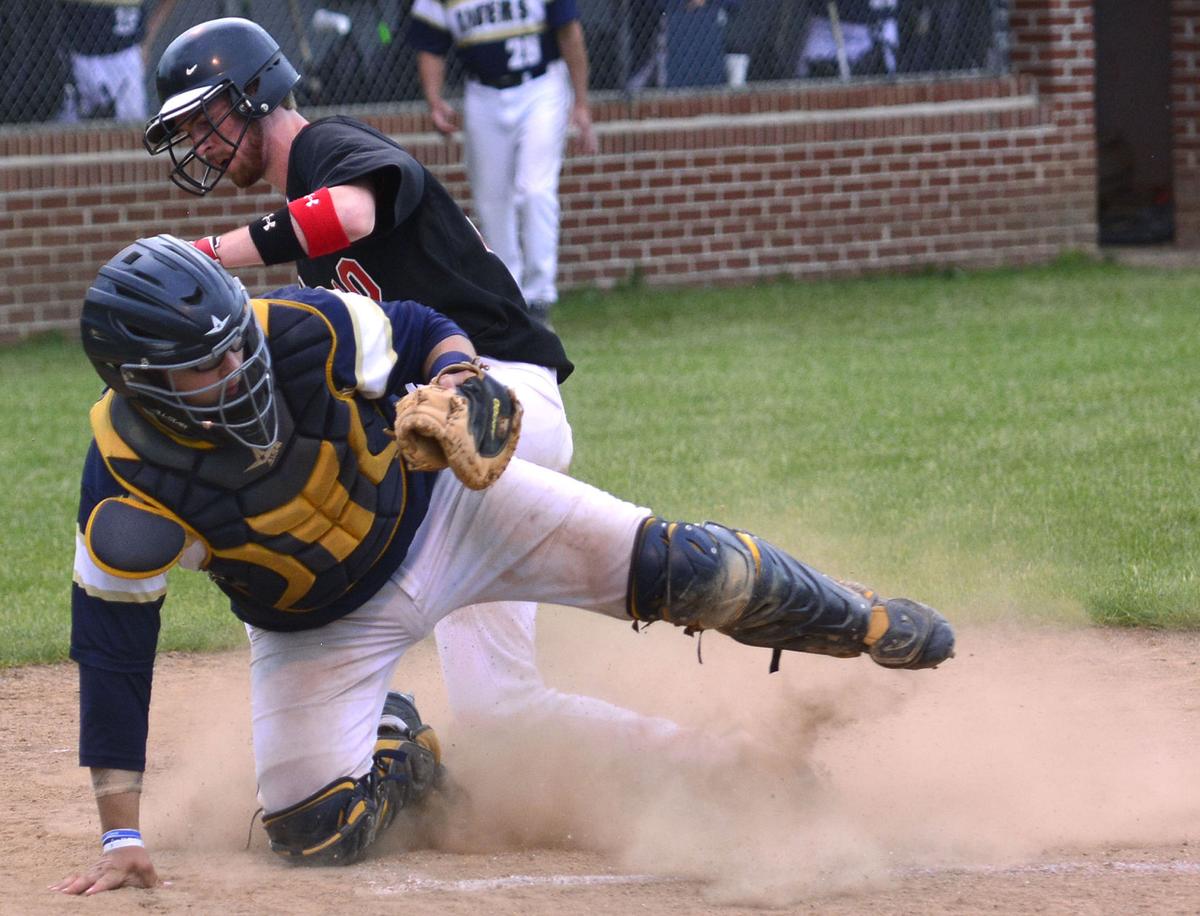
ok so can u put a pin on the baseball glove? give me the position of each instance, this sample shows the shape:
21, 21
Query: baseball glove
472, 429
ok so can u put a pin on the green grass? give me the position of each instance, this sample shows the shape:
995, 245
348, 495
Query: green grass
1017, 443
46, 388
1005, 443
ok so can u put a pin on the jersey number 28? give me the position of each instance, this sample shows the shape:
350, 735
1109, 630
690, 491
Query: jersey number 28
524, 51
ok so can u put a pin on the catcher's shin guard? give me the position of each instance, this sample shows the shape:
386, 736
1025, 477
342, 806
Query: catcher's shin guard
707, 576
337, 824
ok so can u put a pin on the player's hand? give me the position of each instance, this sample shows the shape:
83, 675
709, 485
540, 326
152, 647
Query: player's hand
128, 866
445, 118
581, 120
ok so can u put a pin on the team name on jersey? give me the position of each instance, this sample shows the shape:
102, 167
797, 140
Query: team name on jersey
495, 12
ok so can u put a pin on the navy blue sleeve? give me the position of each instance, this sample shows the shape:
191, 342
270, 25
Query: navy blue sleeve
424, 36
379, 348
421, 329
114, 636
560, 13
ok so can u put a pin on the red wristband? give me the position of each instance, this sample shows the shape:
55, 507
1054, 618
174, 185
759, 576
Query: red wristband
318, 220
207, 246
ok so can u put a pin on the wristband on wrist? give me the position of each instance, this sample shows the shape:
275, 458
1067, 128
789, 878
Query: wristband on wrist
275, 238
117, 839
318, 220
208, 245
448, 358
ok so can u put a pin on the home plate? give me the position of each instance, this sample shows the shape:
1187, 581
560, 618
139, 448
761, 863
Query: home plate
477, 885
416, 884
1060, 868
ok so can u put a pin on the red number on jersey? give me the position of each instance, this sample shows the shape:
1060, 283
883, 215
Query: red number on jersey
352, 277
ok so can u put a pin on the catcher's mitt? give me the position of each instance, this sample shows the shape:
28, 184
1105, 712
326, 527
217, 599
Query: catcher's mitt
472, 429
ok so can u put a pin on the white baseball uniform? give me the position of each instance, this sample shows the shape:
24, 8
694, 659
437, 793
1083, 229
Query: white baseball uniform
516, 108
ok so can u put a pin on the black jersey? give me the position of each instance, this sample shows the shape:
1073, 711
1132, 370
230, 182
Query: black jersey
423, 247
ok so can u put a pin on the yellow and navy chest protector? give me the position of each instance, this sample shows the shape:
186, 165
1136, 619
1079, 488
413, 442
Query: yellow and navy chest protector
299, 534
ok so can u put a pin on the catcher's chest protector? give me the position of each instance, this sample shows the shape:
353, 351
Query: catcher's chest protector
289, 530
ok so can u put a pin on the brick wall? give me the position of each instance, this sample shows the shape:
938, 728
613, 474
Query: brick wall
812, 180
1185, 112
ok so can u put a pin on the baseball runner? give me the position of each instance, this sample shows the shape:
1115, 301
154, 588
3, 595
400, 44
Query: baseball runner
365, 217
270, 442
528, 80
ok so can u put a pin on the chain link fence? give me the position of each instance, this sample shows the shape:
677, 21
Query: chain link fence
94, 59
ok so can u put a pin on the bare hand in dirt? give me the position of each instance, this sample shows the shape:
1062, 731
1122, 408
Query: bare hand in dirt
126, 867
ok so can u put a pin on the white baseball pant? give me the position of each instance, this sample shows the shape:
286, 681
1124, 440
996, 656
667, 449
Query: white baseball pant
488, 653
107, 79
534, 535
515, 139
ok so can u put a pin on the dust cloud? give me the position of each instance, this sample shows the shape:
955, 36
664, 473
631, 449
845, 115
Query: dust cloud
831, 775
836, 774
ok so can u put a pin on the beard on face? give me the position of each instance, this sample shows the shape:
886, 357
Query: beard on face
247, 167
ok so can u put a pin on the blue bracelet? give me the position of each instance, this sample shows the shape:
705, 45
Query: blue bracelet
448, 359
116, 839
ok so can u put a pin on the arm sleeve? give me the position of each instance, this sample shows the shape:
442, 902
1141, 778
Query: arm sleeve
114, 636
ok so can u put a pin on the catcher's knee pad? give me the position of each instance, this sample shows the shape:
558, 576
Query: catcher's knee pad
695, 576
335, 825
711, 577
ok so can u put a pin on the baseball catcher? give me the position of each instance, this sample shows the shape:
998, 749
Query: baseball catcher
249, 438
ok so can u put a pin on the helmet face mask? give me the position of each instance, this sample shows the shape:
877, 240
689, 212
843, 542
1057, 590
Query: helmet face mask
174, 133
161, 313
239, 405
233, 60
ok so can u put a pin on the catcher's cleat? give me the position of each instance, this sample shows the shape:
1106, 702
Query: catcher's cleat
407, 757
399, 714
904, 633
704, 577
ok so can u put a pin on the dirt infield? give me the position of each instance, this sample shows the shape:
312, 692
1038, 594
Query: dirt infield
1043, 771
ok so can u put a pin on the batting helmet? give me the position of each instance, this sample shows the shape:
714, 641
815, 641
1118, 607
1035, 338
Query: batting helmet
223, 57
161, 305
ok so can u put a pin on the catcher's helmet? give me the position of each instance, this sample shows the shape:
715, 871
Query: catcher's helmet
233, 57
159, 305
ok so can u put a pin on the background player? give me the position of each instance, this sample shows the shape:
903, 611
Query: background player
366, 217
248, 438
528, 78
